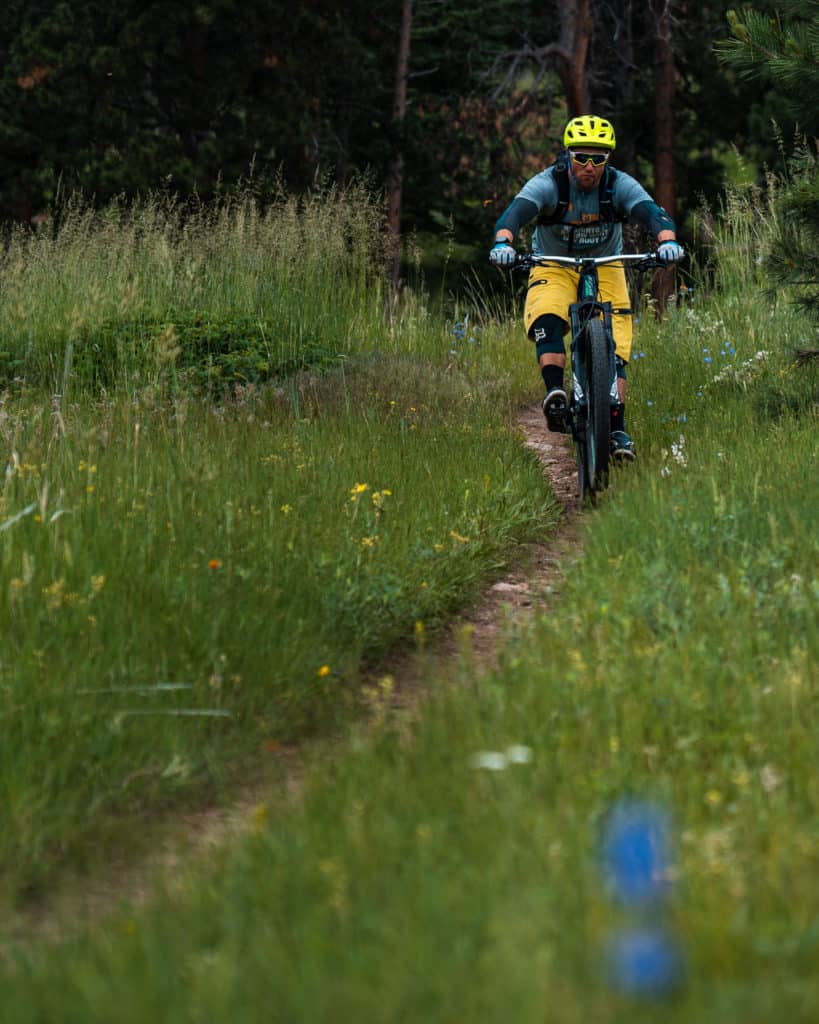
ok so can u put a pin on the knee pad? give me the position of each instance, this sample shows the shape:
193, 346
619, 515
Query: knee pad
547, 334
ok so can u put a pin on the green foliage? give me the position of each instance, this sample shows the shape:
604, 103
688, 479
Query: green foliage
783, 47
236, 289
792, 260
199, 352
121, 98
785, 51
177, 570
131, 98
229, 552
678, 663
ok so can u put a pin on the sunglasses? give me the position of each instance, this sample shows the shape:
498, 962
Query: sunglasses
584, 159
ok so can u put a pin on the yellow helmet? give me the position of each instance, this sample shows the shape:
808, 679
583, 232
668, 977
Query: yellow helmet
589, 130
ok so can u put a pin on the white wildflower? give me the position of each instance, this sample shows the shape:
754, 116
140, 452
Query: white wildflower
678, 453
770, 778
490, 760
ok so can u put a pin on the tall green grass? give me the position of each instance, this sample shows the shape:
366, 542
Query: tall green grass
98, 286
114, 296
184, 583
678, 665
209, 297
200, 563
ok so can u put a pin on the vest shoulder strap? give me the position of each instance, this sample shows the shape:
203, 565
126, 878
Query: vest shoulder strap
605, 194
561, 176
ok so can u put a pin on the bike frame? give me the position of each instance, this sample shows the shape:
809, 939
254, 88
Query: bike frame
588, 307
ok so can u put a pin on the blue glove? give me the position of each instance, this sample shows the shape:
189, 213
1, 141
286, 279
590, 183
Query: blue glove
502, 254
670, 252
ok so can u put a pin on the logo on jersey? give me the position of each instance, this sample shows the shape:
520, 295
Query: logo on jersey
584, 236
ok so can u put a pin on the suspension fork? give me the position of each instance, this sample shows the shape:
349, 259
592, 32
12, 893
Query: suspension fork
586, 307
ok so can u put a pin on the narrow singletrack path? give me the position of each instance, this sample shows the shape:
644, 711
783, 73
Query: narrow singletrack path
532, 587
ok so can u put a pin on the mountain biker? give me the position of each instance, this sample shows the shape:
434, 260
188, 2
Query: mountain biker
581, 203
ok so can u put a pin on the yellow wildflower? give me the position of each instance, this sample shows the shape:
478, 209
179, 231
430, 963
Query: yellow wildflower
259, 815
54, 594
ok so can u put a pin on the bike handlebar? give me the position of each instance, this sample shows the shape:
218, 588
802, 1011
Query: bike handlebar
643, 260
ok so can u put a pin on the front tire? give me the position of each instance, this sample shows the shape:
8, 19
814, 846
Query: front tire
598, 390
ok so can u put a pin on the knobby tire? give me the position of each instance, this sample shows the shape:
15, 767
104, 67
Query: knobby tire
598, 388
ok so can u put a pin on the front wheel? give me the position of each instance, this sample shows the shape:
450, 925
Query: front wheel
598, 390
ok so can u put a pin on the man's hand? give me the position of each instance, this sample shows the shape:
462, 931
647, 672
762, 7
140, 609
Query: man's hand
502, 254
670, 252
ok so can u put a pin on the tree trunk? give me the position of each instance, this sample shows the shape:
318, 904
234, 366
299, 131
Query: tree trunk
665, 74
575, 35
626, 157
395, 173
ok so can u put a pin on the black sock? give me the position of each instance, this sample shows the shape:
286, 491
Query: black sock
618, 417
552, 377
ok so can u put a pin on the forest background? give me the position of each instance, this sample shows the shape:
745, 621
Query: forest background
447, 106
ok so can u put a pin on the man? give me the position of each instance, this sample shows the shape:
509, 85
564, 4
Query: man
581, 203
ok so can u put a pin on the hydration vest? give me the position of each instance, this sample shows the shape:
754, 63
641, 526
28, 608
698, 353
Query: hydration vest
605, 194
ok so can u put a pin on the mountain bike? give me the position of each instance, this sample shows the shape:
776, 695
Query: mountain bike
594, 367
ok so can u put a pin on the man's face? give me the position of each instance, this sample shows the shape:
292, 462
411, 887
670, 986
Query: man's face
586, 174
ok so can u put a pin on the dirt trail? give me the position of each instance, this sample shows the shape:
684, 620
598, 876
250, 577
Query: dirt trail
190, 838
533, 588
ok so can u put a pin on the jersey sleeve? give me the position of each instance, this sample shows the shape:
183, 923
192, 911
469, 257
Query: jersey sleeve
517, 213
628, 192
632, 199
539, 194
542, 191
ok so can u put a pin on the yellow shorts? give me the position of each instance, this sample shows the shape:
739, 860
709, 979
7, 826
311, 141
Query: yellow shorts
554, 289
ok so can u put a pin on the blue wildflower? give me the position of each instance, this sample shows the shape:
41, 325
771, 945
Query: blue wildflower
645, 962
635, 852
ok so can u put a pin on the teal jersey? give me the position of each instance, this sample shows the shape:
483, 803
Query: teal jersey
581, 232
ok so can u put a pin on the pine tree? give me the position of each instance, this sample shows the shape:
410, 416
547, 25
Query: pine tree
784, 49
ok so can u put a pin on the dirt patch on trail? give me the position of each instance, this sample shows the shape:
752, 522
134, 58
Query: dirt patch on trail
534, 586
195, 837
